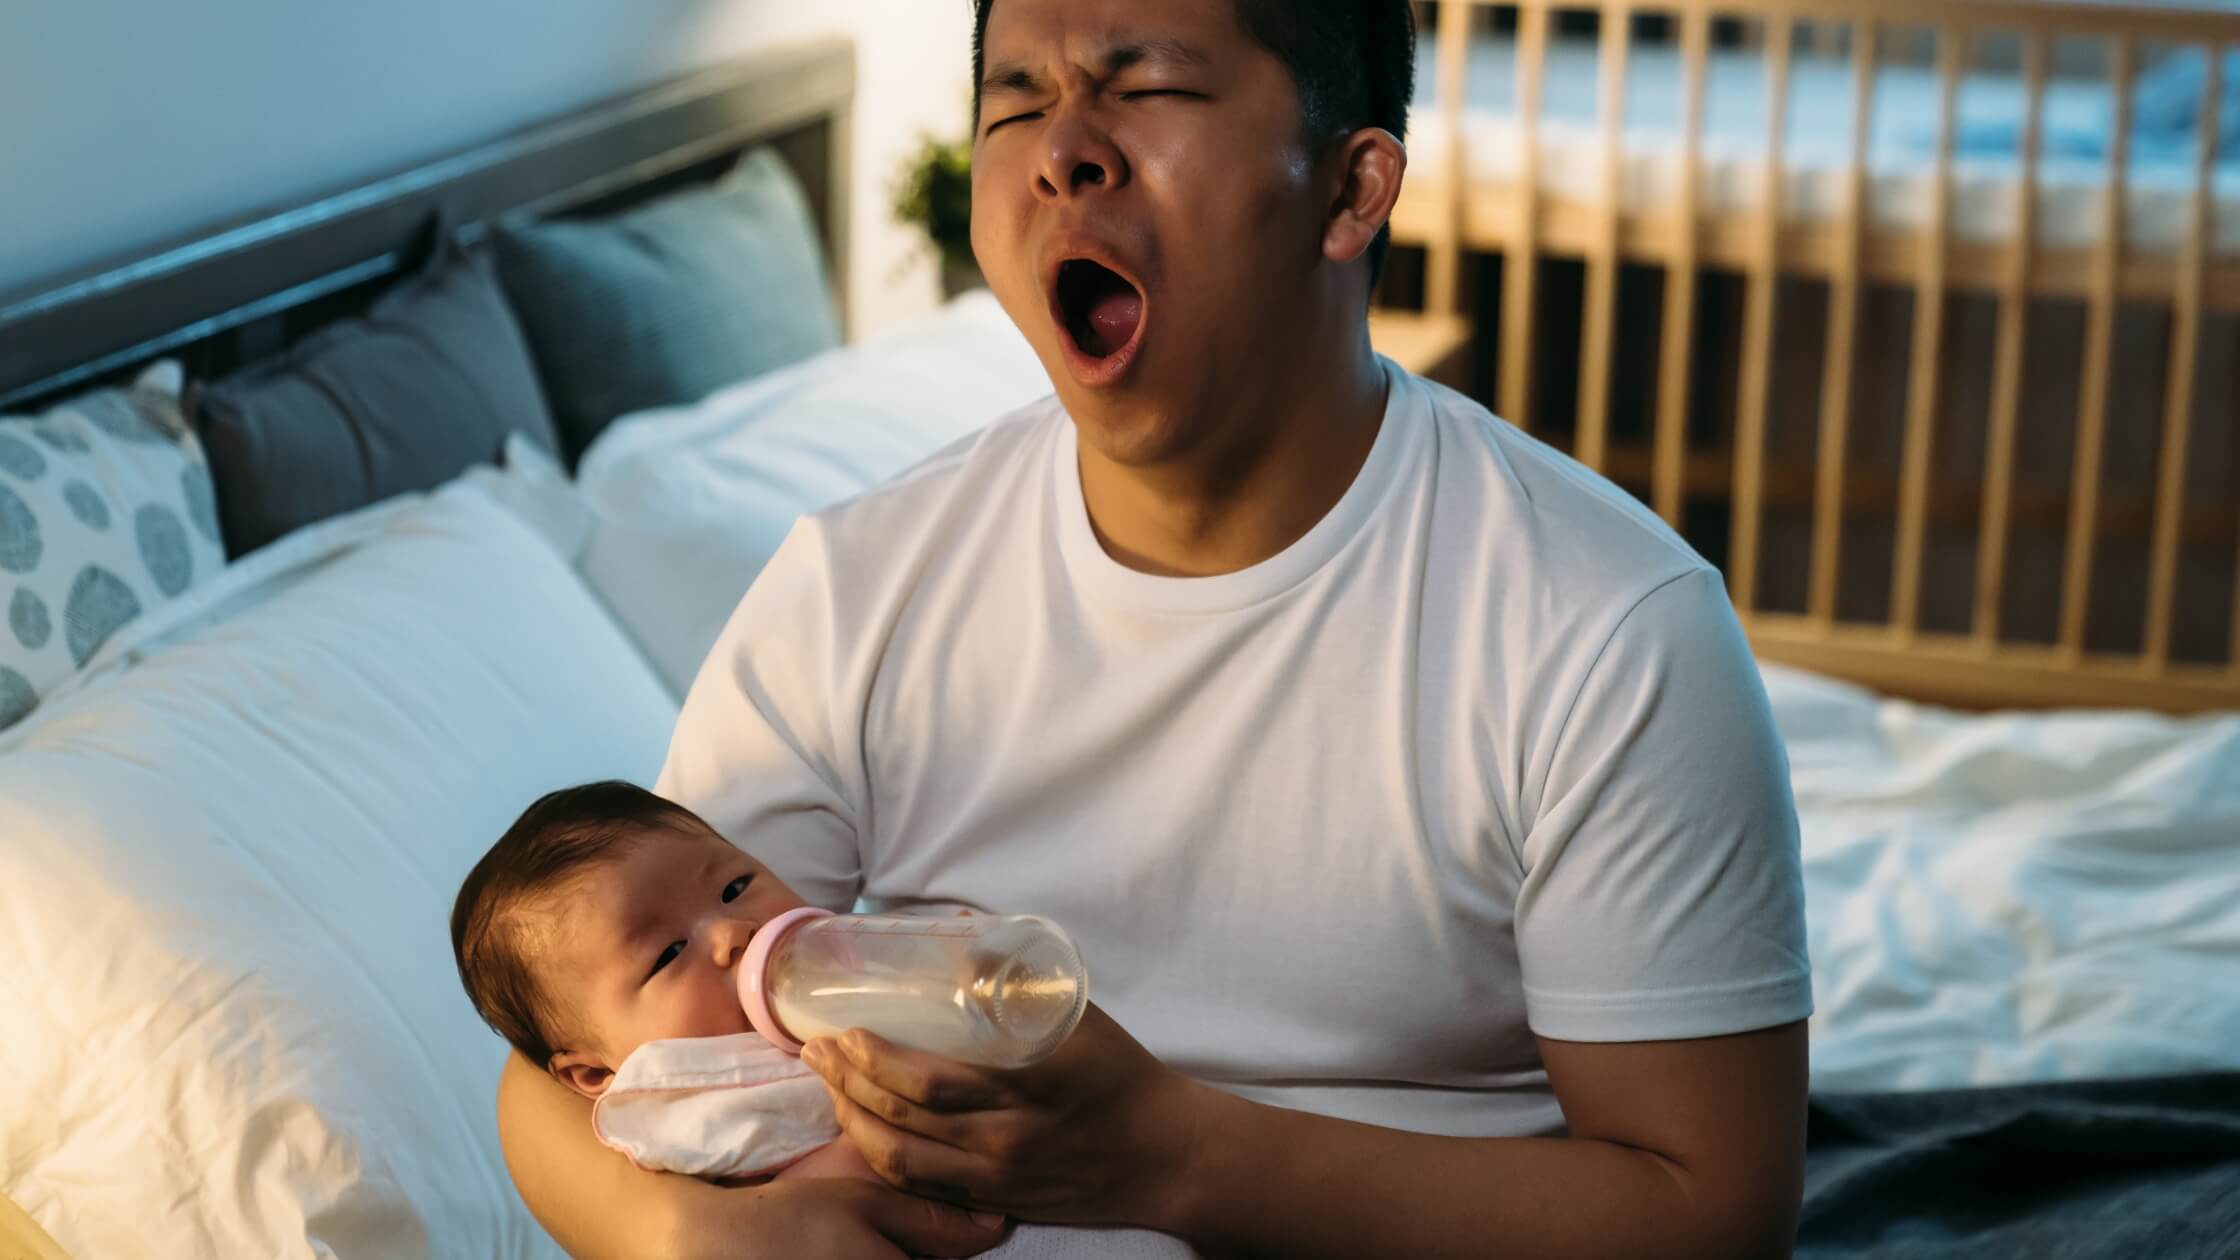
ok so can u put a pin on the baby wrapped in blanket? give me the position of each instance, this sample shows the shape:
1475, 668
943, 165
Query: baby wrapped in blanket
600, 936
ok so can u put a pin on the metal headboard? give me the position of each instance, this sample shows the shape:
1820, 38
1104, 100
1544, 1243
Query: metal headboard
229, 295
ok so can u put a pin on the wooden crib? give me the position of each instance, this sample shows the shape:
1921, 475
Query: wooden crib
2042, 309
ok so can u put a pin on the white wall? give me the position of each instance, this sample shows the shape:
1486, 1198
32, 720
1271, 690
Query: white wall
128, 123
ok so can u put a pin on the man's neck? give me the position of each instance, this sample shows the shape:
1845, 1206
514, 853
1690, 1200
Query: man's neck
1257, 487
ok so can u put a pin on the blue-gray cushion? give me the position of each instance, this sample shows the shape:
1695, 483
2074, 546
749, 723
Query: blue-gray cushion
669, 301
427, 384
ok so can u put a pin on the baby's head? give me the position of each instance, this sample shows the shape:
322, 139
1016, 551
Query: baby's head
604, 918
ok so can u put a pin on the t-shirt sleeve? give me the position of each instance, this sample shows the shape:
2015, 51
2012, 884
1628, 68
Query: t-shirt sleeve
1662, 894
757, 750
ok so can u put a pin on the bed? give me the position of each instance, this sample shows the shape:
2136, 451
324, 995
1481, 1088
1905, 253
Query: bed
231, 832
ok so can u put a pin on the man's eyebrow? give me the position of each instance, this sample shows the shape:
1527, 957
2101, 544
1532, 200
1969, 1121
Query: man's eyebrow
1136, 52
1017, 77
1010, 76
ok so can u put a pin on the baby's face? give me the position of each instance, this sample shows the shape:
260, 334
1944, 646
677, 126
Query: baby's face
646, 947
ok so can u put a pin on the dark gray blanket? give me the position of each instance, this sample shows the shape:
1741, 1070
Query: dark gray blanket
2108, 1170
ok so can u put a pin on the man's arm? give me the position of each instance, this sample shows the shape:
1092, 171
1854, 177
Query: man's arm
1685, 1148
597, 1205
1661, 910
1677, 1148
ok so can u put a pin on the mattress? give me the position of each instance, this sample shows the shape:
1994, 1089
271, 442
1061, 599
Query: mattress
1987, 185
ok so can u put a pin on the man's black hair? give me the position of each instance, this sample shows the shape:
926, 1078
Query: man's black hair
1353, 60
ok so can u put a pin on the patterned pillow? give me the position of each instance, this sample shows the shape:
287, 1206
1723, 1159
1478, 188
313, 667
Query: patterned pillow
106, 511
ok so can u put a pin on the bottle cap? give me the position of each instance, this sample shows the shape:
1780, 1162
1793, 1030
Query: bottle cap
752, 994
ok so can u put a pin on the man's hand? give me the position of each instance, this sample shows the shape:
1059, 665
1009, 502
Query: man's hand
1097, 1133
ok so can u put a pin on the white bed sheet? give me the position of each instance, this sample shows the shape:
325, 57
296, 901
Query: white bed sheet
1995, 899
1816, 151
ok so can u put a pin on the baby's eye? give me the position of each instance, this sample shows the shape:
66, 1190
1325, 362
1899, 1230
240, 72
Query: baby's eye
733, 890
668, 956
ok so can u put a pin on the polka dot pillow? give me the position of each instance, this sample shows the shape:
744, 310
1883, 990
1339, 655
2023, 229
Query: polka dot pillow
106, 512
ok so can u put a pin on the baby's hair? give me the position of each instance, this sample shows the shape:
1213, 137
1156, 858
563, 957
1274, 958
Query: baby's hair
555, 841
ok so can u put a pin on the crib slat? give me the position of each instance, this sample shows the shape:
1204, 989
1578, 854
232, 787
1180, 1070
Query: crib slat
2006, 387
1843, 313
1668, 487
1443, 251
1602, 260
1520, 268
2092, 404
2185, 342
1757, 351
1928, 343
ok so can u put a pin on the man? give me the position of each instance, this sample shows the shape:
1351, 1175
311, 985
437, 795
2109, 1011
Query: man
1410, 790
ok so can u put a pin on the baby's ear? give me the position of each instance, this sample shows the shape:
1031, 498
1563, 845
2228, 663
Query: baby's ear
582, 1072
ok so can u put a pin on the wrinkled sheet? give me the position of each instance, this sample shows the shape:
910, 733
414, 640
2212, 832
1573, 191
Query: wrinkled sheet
2008, 898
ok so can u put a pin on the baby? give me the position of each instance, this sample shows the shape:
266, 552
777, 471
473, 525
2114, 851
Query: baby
601, 936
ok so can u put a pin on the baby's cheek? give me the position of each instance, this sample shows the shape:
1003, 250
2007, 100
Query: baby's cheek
720, 1015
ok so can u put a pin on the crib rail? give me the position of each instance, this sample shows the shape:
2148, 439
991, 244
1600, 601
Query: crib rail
1517, 218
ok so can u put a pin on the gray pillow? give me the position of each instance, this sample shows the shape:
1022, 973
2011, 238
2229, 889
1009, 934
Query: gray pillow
427, 384
670, 301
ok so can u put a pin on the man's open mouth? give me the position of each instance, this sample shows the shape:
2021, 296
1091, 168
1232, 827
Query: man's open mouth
1101, 309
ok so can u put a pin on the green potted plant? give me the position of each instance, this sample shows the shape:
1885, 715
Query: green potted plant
935, 196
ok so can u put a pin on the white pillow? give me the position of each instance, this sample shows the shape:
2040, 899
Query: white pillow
231, 1025
689, 503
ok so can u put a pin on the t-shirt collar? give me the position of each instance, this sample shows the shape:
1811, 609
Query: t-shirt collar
1106, 580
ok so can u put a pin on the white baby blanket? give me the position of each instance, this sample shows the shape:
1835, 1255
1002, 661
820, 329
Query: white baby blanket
718, 1107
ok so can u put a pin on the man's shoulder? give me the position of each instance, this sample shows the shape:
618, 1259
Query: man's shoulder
1548, 518
972, 476
845, 569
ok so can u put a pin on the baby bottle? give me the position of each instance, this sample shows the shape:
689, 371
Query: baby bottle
1000, 991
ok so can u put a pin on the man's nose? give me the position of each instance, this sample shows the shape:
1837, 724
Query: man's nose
727, 939
1077, 157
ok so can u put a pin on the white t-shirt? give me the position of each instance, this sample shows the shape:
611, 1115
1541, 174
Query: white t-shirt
1481, 755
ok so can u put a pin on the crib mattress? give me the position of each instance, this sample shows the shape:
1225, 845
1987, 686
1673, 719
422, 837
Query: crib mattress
1987, 185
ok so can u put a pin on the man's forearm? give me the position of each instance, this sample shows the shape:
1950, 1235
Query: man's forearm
597, 1207
1267, 1181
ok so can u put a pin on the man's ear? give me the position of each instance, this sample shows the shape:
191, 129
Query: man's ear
1370, 164
582, 1072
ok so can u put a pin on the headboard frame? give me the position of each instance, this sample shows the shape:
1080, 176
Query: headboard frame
228, 296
